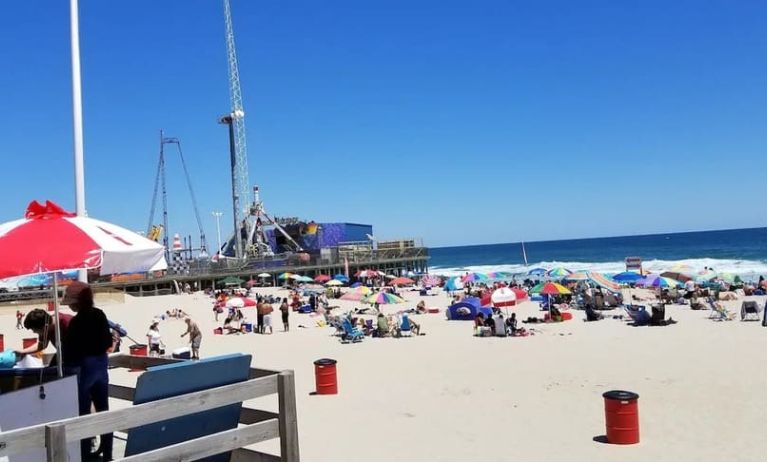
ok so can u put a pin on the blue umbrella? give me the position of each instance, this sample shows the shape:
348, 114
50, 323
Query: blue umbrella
453, 284
627, 277
341, 277
355, 285
537, 272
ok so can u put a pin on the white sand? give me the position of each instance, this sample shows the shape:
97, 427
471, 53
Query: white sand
448, 396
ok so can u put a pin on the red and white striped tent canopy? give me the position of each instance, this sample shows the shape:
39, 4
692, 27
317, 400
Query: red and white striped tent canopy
50, 239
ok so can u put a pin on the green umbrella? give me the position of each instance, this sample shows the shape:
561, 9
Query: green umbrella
230, 281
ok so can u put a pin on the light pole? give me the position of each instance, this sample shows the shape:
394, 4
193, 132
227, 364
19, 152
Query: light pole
228, 119
218, 216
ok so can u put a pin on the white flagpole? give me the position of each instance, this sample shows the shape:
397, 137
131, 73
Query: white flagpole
77, 117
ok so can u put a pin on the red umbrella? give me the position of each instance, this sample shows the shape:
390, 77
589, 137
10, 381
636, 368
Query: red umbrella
401, 282
49, 239
322, 278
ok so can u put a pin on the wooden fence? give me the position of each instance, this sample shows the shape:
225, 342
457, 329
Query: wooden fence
256, 425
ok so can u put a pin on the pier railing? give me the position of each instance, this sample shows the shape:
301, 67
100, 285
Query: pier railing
256, 425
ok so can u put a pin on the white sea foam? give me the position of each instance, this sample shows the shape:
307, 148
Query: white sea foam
746, 269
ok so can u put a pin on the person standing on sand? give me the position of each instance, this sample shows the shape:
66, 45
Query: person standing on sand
260, 316
285, 310
195, 337
268, 318
85, 346
19, 317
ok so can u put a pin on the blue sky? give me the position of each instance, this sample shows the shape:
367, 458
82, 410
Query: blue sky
458, 122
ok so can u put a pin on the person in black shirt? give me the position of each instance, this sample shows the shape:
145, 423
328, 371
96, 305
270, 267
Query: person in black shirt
85, 346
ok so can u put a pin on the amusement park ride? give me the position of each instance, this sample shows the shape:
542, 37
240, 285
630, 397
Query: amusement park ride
250, 219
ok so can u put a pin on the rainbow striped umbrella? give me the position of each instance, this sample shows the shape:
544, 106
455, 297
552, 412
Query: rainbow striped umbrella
334, 283
453, 284
603, 281
558, 273
550, 288
577, 276
285, 276
474, 277
357, 294
658, 281
383, 298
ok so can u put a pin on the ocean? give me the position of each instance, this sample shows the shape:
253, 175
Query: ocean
737, 251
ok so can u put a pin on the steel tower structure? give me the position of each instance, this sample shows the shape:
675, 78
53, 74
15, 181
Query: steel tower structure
240, 182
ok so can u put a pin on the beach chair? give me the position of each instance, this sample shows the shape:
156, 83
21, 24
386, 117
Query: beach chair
749, 311
351, 334
638, 314
405, 328
719, 312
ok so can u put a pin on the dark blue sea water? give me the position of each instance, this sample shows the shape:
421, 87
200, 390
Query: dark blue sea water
738, 251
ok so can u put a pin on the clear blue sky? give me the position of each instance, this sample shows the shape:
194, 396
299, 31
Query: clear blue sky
459, 122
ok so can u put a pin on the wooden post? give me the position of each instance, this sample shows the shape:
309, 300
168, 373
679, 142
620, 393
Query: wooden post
56, 443
286, 389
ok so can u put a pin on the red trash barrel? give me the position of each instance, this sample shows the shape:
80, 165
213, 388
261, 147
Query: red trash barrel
2, 343
51, 306
325, 378
621, 417
138, 349
28, 342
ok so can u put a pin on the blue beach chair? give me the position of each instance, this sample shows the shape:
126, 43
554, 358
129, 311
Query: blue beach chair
638, 314
406, 328
351, 334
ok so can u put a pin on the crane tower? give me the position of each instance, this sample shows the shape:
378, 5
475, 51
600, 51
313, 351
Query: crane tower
240, 182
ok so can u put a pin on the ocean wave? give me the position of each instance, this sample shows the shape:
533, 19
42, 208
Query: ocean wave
747, 269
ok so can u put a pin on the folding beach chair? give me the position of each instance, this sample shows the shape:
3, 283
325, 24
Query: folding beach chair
405, 328
750, 311
719, 312
351, 334
638, 314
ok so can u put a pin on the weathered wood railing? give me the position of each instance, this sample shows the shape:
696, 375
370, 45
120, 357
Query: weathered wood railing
258, 425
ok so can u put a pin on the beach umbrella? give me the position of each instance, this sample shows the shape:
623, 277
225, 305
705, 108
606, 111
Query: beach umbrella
537, 272
431, 281
577, 276
295, 277
235, 302
341, 277
500, 275
627, 277
603, 281
383, 298
368, 273
402, 282
264, 275
503, 297
304, 279
706, 275
353, 296
334, 283
558, 273
453, 284
285, 276
676, 275
474, 277
49, 239
355, 285
230, 281
322, 278
549, 288
729, 278
654, 280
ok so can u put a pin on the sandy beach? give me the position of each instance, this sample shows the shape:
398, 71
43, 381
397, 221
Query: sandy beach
449, 396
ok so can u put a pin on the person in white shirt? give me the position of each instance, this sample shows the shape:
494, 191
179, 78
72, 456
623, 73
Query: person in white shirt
154, 339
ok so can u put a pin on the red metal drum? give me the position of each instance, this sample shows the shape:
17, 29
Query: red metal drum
2, 343
28, 342
325, 379
621, 417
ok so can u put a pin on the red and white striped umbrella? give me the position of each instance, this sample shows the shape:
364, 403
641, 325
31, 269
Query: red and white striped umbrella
51, 239
503, 297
